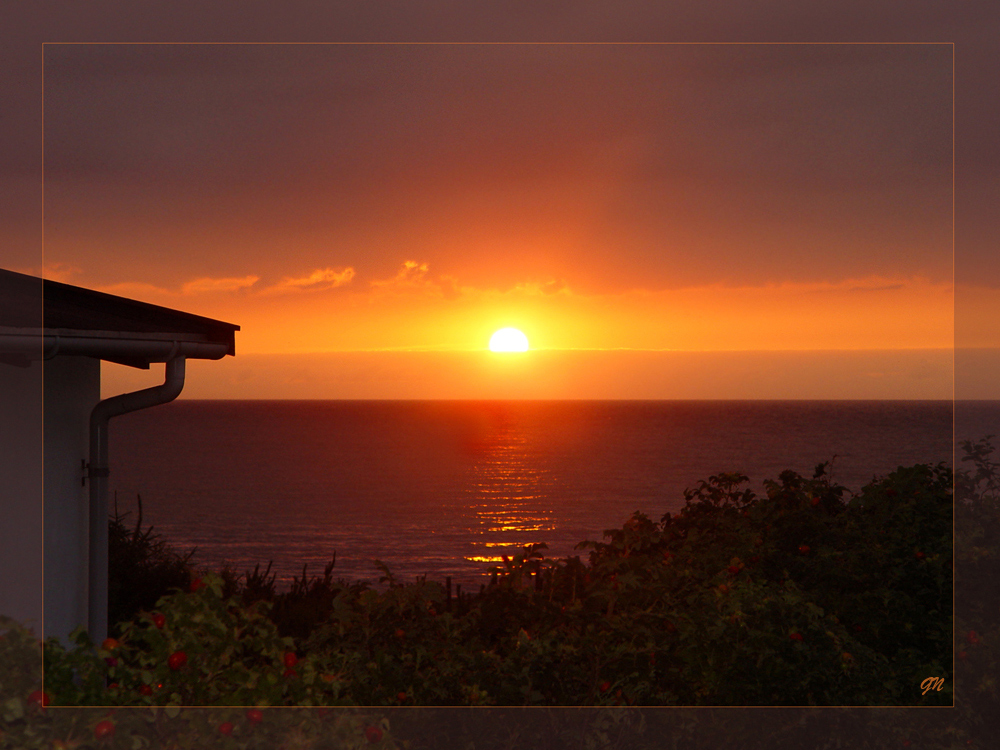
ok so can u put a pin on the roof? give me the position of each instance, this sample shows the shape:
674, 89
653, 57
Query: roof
50, 318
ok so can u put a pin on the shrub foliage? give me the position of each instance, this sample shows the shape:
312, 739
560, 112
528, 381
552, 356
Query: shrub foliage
801, 596
805, 595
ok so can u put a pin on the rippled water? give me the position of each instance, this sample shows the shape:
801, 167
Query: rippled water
445, 488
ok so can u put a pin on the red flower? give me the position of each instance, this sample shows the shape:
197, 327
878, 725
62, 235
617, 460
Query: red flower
255, 716
196, 584
177, 660
605, 686
373, 734
226, 728
39, 698
814, 502
733, 569
796, 637
400, 632
110, 644
401, 696
920, 555
159, 620
803, 549
104, 729
291, 659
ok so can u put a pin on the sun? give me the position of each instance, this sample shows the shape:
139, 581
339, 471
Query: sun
508, 340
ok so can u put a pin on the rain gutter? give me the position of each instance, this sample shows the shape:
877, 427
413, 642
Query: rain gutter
97, 473
110, 345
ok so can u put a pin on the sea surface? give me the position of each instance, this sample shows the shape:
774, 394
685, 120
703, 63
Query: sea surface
444, 488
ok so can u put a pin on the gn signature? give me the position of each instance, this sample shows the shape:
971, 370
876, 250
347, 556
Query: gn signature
932, 683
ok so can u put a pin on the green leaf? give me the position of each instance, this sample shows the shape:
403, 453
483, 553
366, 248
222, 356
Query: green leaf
13, 709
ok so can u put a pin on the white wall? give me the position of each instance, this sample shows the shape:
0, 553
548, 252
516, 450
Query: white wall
21, 494
72, 388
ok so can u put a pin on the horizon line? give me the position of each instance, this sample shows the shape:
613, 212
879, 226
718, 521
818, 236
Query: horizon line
484, 350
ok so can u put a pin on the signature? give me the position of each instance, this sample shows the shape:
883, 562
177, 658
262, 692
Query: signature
932, 683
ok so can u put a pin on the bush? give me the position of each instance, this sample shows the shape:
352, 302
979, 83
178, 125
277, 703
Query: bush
798, 597
27, 722
142, 568
802, 595
977, 581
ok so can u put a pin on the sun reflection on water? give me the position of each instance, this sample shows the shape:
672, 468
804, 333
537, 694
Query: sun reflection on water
508, 496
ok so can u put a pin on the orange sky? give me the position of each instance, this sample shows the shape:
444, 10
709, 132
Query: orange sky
650, 198
416, 311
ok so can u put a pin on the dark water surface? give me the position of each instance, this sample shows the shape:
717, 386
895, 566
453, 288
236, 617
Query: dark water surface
443, 488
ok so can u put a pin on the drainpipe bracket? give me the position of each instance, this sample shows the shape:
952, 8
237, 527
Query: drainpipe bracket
90, 471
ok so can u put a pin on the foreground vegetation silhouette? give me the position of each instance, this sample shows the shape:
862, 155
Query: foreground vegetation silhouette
806, 595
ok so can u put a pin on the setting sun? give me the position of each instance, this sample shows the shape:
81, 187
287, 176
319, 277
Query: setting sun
508, 340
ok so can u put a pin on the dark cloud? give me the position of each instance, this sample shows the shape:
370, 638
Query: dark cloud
969, 25
663, 150
765, 107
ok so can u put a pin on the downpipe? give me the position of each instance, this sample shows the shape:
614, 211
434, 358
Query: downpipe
97, 616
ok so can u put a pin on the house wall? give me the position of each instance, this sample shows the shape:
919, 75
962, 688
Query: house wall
72, 388
21, 494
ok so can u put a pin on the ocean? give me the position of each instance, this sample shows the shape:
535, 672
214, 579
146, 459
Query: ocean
441, 488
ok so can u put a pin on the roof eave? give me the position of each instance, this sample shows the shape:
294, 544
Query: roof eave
136, 350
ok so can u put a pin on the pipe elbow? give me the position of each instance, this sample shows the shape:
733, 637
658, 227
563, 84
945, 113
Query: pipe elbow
173, 384
173, 381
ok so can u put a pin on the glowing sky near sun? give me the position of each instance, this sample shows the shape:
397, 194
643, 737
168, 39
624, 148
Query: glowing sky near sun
417, 198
